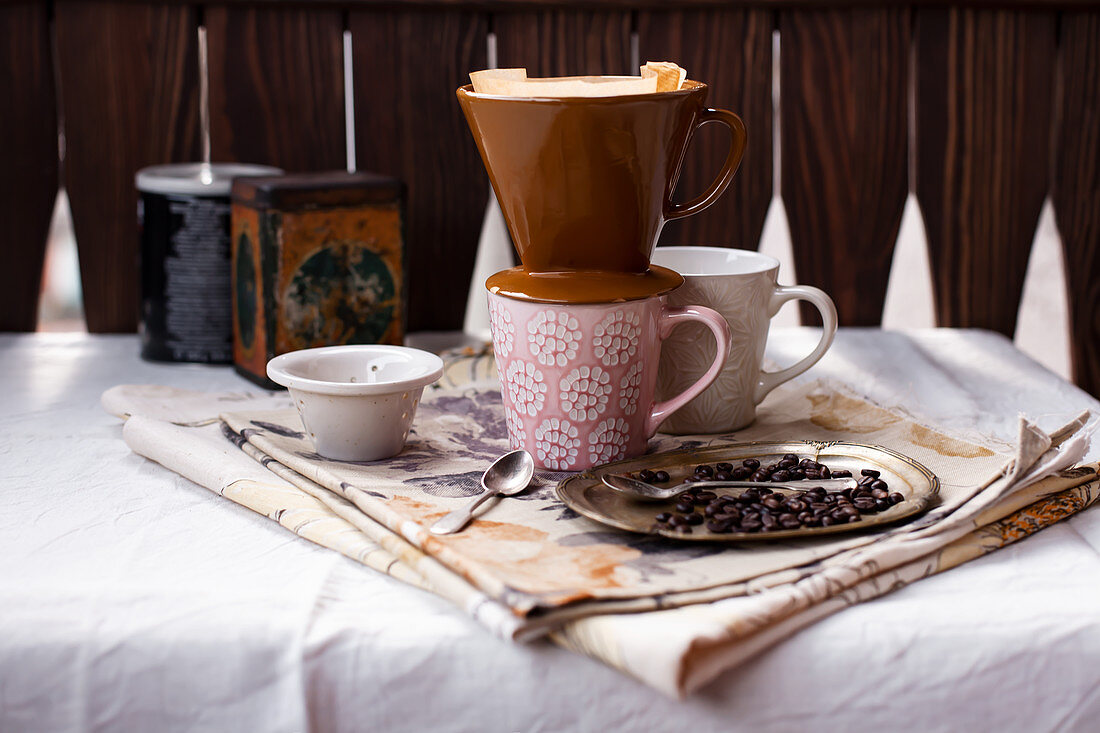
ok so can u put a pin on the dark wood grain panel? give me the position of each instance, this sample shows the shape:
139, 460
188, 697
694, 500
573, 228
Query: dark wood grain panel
129, 93
277, 86
730, 50
985, 83
656, 4
1076, 189
844, 150
408, 124
564, 42
28, 129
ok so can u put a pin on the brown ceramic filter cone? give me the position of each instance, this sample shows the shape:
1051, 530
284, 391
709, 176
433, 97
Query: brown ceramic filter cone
586, 184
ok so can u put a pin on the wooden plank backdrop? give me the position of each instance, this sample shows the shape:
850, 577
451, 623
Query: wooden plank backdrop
408, 124
277, 86
843, 76
28, 127
1005, 110
732, 51
564, 42
1076, 189
985, 83
129, 95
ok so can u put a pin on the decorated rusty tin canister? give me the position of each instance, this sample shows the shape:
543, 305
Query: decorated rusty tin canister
183, 218
318, 260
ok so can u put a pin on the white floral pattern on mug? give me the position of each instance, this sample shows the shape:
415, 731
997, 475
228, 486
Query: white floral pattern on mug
631, 386
585, 392
615, 338
526, 388
502, 329
517, 436
556, 444
554, 338
608, 440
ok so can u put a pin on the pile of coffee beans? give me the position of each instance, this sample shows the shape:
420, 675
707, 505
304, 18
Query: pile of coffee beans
760, 509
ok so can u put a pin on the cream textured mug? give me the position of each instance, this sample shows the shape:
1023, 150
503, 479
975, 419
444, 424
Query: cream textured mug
742, 286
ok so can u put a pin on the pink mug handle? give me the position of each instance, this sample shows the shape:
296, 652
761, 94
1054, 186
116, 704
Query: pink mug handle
671, 318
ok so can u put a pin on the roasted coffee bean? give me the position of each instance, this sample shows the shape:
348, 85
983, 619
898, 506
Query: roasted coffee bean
797, 474
751, 463
896, 498
786, 465
684, 529
704, 470
685, 506
661, 477
805, 516
711, 509
723, 476
704, 497
790, 457
828, 521
813, 522
767, 521
824, 471
646, 475
882, 504
854, 518
864, 503
727, 467
781, 475
870, 472
879, 484
844, 473
663, 517
879, 493
762, 490
678, 520
740, 473
788, 521
695, 519
865, 481
719, 527
798, 505
771, 503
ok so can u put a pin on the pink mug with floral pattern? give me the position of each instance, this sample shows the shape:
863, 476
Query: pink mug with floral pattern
578, 380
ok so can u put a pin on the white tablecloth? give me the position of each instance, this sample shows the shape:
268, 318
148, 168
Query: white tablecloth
120, 610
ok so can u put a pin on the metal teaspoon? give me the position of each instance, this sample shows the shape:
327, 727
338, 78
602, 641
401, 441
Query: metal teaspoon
642, 491
509, 474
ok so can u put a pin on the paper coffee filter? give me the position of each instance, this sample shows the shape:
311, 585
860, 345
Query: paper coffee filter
660, 76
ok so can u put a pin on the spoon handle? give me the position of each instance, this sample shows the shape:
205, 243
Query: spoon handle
456, 520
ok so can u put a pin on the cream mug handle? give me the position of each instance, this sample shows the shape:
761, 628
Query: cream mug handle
670, 318
824, 304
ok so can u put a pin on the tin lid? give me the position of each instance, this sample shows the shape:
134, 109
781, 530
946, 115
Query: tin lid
312, 190
197, 179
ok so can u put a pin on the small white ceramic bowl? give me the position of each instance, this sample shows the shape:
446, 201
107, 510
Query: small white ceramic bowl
357, 402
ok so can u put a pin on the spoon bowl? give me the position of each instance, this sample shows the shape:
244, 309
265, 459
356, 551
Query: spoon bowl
642, 491
509, 474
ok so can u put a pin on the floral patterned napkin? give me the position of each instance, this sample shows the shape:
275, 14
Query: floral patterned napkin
531, 565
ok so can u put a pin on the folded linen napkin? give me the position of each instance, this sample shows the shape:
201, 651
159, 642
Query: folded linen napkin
529, 566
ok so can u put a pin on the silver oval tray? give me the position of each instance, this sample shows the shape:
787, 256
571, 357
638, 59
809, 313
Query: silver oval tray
587, 495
